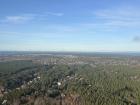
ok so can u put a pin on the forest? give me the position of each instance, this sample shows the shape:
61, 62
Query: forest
25, 82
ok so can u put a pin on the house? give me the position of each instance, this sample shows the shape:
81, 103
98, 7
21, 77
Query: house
59, 83
4, 102
38, 77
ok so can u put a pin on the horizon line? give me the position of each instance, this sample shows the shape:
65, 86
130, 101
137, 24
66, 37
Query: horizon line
71, 51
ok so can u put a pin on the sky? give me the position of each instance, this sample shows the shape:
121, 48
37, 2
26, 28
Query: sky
70, 25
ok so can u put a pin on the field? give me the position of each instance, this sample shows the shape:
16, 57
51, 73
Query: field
70, 80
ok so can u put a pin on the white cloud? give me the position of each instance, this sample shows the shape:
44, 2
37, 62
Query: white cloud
23, 18
122, 13
119, 16
17, 19
8, 33
55, 13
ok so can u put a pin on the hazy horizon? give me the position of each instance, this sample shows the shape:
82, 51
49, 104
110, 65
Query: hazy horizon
70, 26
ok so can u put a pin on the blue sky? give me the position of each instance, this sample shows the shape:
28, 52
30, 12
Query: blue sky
70, 25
